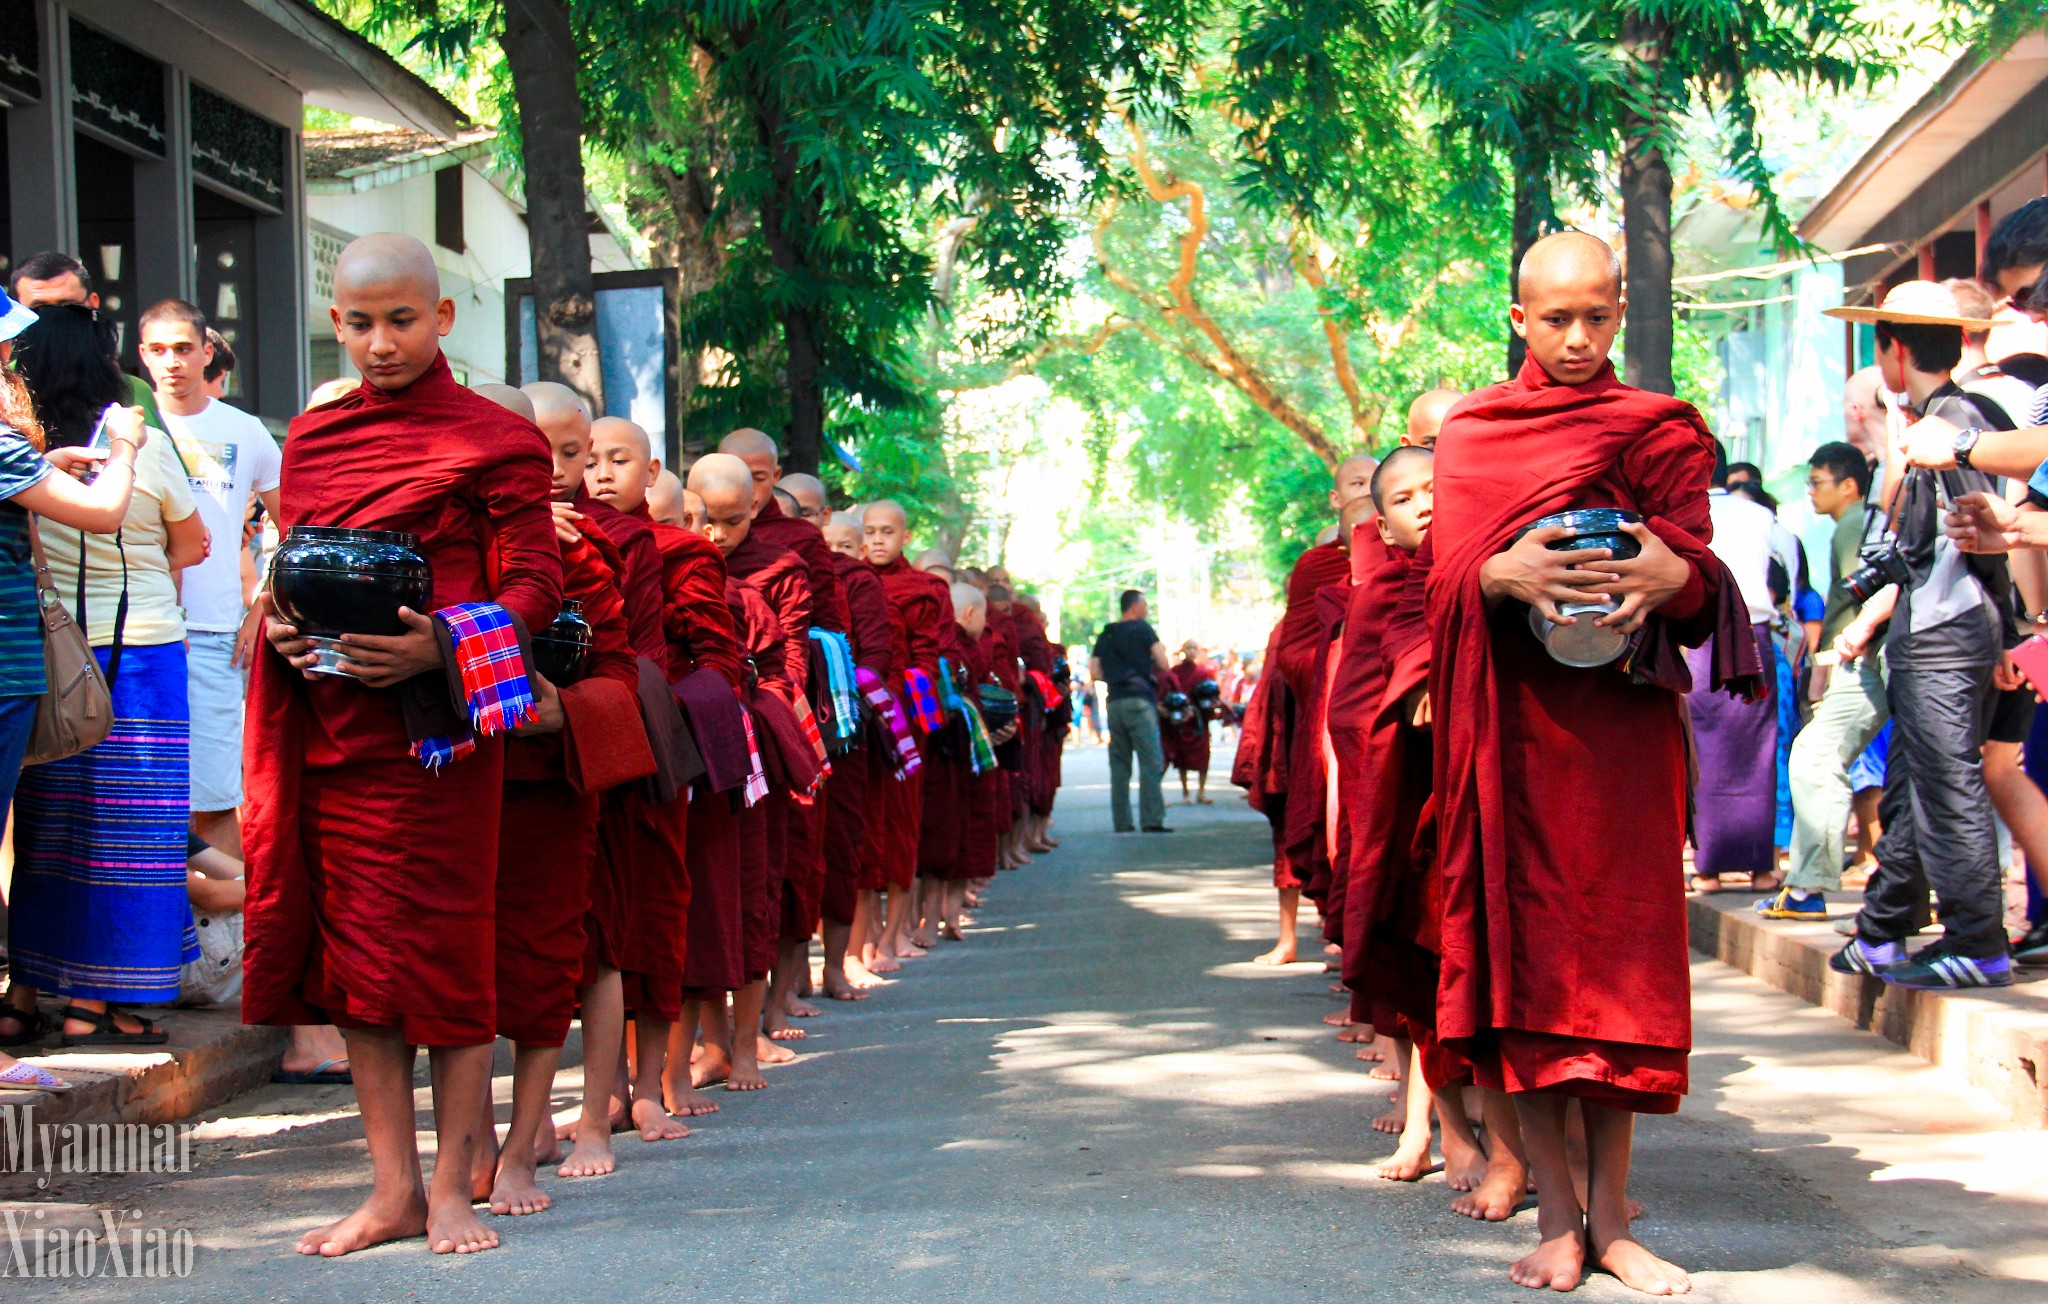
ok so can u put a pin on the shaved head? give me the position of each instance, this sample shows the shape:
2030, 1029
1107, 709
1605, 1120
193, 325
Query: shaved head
508, 398
967, 598
618, 428
1426, 416
884, 529
748, 442
809, 492
842, 533
1568, 258
385, 259
665, 497
1353, 479
329, 390
554, 402
763, 463
720, 473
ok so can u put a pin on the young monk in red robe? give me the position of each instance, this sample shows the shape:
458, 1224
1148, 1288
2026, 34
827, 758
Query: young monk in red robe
371, 877
804, 885
777, 576
1291, 653
1564, 935
895, 820
643, 833
846, 817
927, 898
586, 738
1187, 745
1426, 417
1042, 656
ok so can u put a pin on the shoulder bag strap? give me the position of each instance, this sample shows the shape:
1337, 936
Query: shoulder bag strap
120, 607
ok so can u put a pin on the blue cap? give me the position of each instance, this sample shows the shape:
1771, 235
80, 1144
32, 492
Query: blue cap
14, 317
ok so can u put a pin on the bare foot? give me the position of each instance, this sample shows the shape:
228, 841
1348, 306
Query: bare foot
1408, 1163
1331, 948
1388, 1071
950, 933
745, 1077
455, 1229
1500, 1192
1361, 1035
372, 1224
802, 1009
655, 1123
515, 1193
1641, 1270
619, 1121
1464, 1163
1279, 955
778, 1029
1391, 1122
911, 950
1558, 1263
688, 1102
921, 941
1338, 1019
884, 964
767, 1052
710, 1066
840, 987
591, 1156
1205, 801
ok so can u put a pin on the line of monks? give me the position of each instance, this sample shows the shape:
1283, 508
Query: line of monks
1493, 838
780, 728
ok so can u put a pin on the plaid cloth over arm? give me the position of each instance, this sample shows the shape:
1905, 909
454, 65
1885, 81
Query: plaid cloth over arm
496, 694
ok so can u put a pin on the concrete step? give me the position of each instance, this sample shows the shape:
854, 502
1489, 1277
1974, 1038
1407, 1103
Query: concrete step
1997, 1038
210, 1057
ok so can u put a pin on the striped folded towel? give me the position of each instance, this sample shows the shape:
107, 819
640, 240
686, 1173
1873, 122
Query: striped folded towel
981, 752
903, 757
496, 694
840, 683
757, 773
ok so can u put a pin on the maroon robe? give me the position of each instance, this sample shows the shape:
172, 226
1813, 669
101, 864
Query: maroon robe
890, 858
371, 879
548, 829
1187, 747
1561, 792
848, 792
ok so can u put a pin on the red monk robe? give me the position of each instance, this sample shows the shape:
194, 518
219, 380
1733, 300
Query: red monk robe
948, 794
1278, 748
847, 793
796, 821
548, 829
1562, 792
890, 862
762, 837
1187, 747
1040, 734
698, 626
640, 582
372, 879
1004, 786
1260, 766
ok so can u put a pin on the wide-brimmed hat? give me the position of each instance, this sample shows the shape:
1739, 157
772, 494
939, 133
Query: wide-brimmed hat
1915, 303
14, 317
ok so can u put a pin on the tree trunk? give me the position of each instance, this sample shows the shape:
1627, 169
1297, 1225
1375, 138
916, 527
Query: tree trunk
540, 51
1646, 225
1525, 231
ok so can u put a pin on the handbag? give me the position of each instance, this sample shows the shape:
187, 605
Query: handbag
76, 710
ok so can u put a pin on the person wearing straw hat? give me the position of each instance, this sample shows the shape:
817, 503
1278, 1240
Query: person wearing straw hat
1944, 651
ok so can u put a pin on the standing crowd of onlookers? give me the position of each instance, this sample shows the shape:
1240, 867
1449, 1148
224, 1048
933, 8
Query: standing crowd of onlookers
141, 501
1904, 705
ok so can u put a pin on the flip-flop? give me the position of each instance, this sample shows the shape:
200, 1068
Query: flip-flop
323, 1074
24, 1076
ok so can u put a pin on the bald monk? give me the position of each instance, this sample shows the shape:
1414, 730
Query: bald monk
917, 620
665, 498
847, 916
586, 738
1042, 657
1426, 416
809, 492
372, 877
329, 390
643, 833
507, 397
1292, 654
779, 526
1007, 631
1564, 935
777, 577
1187, 742
960, 825
936, 563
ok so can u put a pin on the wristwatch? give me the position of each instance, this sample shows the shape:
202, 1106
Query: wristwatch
1965, 442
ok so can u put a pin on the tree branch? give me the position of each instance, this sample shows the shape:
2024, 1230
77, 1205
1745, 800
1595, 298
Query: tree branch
1310, 264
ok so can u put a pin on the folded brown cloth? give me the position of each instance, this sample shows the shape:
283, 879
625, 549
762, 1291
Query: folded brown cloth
712, 710
677, 763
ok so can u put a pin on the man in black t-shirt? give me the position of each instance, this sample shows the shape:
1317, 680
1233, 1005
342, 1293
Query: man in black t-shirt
1127, 656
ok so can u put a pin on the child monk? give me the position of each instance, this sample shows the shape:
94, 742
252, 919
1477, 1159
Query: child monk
1292, 651
1562, 791
1042, 658
847, 910
1426, 417
777, 578
371, 877
918, 618
586, 738
643, 831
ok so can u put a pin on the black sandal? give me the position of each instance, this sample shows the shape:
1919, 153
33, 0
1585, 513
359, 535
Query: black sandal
106, 1031
34, 1027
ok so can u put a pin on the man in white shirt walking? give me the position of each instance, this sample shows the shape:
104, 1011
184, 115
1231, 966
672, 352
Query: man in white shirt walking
229, 456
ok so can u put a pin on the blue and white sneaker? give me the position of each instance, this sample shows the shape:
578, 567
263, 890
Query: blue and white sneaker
1937, 969
1866, 958
1783, 905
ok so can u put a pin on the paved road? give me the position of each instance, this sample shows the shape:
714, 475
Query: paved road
1094, 1098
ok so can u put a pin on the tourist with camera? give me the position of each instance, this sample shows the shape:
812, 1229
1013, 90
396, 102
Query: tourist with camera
1945, 643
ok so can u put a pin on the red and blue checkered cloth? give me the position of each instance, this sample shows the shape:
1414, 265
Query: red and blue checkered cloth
922, 697
495, 692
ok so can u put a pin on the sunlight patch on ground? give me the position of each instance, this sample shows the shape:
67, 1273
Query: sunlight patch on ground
262, 1125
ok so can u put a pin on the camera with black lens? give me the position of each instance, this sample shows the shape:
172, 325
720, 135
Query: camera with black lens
1883, 564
